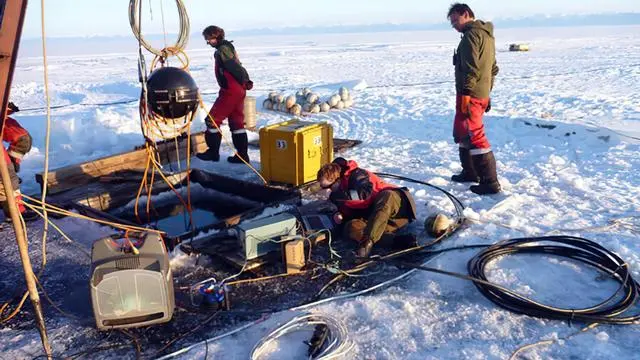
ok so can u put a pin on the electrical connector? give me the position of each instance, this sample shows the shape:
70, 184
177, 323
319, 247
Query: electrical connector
318, 340
329, 341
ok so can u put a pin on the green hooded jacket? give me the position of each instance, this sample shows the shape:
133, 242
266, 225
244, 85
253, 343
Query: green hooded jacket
475, 60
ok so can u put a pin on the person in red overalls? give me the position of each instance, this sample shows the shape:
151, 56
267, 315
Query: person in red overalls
19, 144
234, 82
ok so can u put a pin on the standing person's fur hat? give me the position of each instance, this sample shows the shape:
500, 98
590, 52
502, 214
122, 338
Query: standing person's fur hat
213, 31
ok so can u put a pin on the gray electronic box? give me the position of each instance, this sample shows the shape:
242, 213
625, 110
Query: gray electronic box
129, 290
259, 237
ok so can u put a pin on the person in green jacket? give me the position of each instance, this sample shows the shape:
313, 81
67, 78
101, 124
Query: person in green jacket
475, 72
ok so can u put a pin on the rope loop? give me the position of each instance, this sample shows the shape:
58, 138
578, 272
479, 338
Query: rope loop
183, 34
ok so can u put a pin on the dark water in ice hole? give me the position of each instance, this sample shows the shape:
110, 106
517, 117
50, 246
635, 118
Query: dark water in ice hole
172, 219
178, 224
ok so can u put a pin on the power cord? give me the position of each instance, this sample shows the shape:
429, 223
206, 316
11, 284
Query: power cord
579, 249
582, 250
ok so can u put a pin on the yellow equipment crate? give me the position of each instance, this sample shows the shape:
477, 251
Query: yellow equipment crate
293, 151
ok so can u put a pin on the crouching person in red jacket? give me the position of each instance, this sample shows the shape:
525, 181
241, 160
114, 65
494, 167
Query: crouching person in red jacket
234, 82
19, 144
370, 208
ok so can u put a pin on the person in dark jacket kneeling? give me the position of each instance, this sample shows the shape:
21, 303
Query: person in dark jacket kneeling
19, 143
369, 208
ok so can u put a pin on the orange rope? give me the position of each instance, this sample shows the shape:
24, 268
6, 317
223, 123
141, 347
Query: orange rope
61, 211
157, 167
149, 193
189, 176
142, 184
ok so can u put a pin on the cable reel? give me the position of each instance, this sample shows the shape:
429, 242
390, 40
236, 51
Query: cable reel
183, 35
169, 97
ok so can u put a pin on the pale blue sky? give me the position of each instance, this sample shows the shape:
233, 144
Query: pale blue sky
110, 17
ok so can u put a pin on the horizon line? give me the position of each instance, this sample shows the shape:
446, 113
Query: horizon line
512, 22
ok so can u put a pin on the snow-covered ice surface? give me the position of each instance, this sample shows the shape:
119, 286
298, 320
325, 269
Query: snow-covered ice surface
565, 129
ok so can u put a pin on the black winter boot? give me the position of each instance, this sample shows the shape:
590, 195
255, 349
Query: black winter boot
213, 142
468, 173
405, 241
28, 215
485, 165
241, 143
365, 249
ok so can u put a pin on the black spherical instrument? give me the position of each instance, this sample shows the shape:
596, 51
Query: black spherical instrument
171, 92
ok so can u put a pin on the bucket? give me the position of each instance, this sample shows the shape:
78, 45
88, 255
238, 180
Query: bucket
250, 113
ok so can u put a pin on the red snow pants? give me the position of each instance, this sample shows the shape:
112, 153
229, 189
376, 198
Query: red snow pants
229, 104
468, 129
15, 183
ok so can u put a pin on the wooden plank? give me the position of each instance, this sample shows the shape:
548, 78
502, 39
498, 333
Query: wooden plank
339, 145
69, 177
108, 195
120, 194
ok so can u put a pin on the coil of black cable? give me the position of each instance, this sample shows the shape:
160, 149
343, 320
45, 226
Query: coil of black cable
611, 310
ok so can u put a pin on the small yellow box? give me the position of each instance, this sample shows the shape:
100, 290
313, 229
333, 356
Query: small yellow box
294, 256
293, 151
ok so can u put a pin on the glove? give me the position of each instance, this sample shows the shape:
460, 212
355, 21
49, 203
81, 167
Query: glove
464, 105
488, 106
16, 164
248, 85
337, 218
13, 107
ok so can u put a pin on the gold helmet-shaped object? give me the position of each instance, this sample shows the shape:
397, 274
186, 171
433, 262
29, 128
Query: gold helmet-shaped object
437, 225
